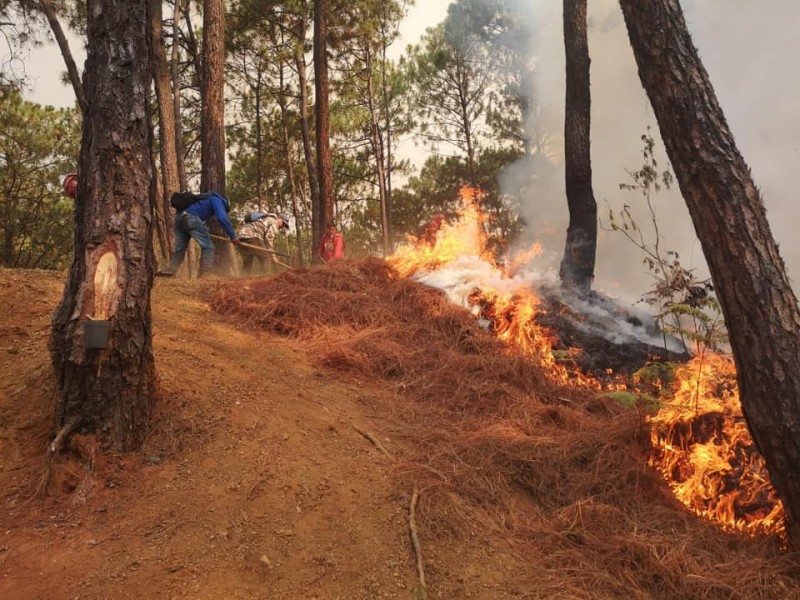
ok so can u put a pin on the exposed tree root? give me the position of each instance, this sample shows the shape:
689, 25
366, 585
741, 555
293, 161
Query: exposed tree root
54, 448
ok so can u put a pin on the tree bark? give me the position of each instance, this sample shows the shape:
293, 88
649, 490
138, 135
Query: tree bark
578, 263
111, 391
287, 149
323, 213
183, 181
212, 91
757, 299
170, 181
63, 45
305, 129
212, 121
376, 141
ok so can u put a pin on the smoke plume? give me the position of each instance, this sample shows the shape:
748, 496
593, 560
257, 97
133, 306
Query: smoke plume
747, 47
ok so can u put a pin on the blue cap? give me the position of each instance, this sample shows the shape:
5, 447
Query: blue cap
285, 218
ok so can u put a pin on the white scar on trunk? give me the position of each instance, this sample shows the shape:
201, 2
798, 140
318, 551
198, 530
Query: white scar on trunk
106, 286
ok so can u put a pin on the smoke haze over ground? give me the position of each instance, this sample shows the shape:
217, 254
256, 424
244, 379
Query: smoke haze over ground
750, 52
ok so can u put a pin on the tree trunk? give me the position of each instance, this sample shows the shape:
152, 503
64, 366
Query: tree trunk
161, 221
577, 266
308, 147
387, 127
170, 181
324, 211
183, 180
376, 142
729, 217
110, 392
63, 45
212, 121
259, 143
287, 149
212, 91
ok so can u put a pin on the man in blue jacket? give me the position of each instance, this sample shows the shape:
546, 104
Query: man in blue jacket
191, 223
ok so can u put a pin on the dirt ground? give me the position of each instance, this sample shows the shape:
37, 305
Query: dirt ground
254, 482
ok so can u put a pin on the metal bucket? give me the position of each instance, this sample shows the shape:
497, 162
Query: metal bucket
96, 334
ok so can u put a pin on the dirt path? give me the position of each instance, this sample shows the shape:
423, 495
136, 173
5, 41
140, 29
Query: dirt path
253, 484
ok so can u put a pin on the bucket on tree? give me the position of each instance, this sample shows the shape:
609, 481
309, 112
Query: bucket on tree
95, 333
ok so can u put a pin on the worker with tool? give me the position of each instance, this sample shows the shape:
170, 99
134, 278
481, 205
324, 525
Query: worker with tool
190, 222
259, 232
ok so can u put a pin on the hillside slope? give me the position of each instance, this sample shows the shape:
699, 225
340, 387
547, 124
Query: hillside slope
259, 481
253, 484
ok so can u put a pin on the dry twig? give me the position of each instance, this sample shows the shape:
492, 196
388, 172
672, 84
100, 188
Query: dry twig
375, 441
412, 526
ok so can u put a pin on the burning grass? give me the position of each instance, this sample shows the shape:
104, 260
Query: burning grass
499, 446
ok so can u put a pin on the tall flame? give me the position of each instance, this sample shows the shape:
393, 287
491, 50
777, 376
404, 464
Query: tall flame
703, 449
459, 262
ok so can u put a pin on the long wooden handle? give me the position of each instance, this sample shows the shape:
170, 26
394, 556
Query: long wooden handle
252, 247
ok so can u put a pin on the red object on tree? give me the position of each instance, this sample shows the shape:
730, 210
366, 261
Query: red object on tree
331, 246
71, 185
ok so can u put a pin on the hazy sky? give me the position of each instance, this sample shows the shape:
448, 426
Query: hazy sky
44, 65
750, 49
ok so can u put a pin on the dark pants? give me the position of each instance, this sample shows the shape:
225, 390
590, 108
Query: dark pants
249, 255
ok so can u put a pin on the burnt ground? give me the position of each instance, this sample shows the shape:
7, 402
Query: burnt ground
603, 335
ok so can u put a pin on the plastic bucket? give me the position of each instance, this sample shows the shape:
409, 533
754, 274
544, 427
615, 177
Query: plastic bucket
96, 334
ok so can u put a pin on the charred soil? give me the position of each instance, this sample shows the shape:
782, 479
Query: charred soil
299, 415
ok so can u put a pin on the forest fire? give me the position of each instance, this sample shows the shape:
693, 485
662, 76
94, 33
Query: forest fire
703, 449
459, 262
701, 443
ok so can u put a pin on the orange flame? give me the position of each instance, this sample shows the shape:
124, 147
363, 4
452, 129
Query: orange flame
511, 312
465, 237
703, 449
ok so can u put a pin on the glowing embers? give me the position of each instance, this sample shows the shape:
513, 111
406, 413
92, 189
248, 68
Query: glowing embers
703, 449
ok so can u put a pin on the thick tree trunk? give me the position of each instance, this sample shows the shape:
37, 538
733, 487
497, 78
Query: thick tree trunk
323, 212
170, 180
72, 70
729, 217
110, 391
577, 266
212, 121
212, 91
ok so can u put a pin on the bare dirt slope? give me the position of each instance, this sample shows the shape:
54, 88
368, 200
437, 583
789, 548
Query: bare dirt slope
254, 482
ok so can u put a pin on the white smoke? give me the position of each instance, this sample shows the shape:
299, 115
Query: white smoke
749, 50
458, 278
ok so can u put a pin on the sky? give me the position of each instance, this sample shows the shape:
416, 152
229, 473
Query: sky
749, 48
